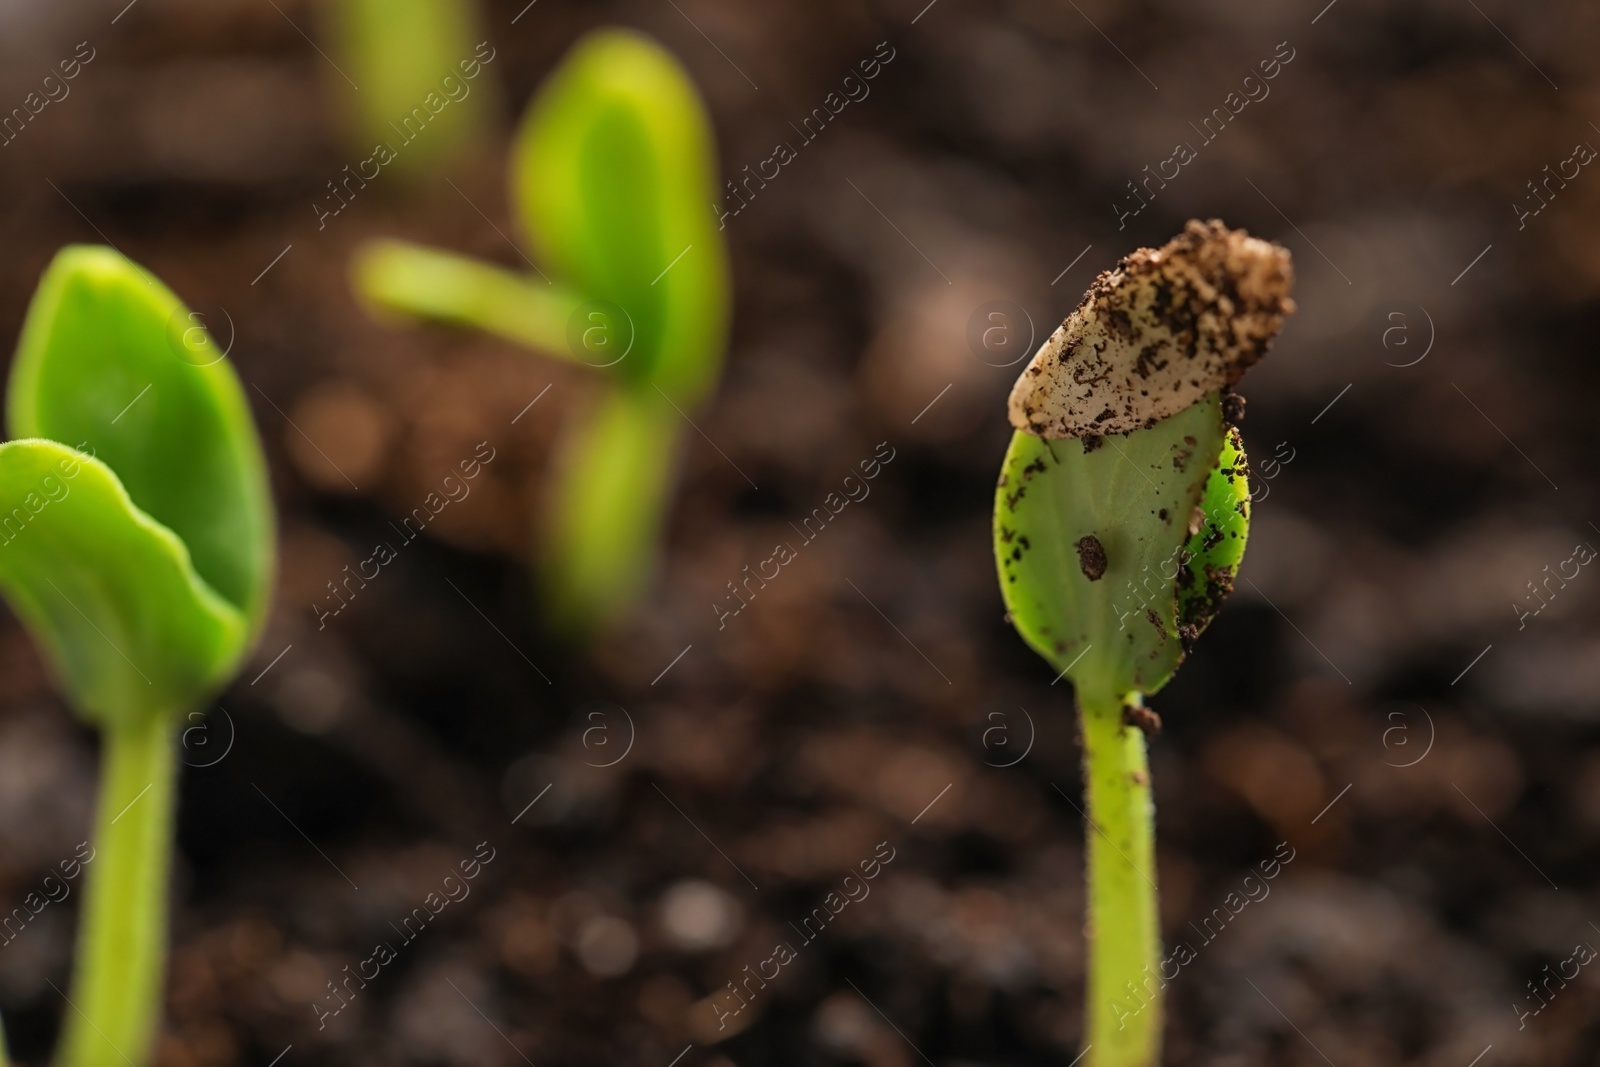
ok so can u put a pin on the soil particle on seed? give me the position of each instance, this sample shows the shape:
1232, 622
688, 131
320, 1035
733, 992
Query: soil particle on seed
1232, 407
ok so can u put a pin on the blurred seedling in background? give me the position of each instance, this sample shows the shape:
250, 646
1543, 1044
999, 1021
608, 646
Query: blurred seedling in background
612, 176
136, 547
416, 66
1119, 523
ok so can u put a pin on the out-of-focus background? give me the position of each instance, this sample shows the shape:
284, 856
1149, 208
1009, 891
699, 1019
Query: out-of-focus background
1401, 695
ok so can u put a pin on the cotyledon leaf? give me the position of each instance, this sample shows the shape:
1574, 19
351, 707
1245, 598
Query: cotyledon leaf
1090, 535
108, 592
613, 176
112, 362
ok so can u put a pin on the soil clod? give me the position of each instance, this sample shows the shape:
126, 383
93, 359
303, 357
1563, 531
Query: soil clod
1143, 718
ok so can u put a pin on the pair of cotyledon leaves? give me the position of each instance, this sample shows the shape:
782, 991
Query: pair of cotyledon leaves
612, 178
1123, 504
136, 523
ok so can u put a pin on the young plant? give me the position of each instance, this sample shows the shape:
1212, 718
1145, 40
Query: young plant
136, 547
612, 175
1119, 523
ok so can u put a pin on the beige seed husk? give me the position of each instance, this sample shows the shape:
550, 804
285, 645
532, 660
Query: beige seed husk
1156, 333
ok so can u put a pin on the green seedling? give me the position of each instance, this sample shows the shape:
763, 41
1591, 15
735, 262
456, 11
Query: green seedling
1119, 523
415, 64
612, 175
136, 547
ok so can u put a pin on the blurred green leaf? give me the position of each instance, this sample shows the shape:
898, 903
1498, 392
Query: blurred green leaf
111, 361
1090, 544
613, 178
399, 276
110, 593
397, 52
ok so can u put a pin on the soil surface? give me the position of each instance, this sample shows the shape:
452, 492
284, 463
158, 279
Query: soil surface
1395, 712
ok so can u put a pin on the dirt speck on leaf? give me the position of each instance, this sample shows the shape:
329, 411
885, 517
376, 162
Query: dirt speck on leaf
1092, 557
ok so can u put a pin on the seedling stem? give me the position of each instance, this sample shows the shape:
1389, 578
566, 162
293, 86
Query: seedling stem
117, 985
1124, 920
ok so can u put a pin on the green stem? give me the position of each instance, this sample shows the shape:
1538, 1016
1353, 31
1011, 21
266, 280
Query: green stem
117, 980
4, 1059
609, 498
430, 284
1123, 1006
